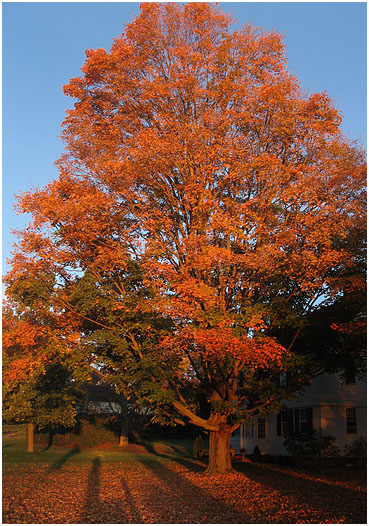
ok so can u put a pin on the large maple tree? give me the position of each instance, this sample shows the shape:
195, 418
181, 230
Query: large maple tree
202, 204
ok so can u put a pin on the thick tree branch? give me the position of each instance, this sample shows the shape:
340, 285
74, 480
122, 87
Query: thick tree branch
194, 419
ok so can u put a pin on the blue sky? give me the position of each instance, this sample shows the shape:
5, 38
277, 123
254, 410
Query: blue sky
44, 45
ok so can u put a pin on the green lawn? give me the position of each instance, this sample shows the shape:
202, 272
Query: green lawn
159, 482
15, 450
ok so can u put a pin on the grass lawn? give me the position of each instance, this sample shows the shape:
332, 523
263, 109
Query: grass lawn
160, 483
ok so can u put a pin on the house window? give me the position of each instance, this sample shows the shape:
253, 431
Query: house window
304, 420
261, 427
351, 422
285, 423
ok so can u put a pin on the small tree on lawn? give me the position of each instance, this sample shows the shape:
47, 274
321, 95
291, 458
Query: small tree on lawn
38, 389
194, 158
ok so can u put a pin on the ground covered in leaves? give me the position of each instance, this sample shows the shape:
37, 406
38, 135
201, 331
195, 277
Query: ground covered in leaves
157, 487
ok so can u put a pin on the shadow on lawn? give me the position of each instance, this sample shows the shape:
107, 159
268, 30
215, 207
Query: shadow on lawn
327, 498
132, 511
197, 466
111, 511
205, 507
315, 494
176, 450
92, 493
59, 463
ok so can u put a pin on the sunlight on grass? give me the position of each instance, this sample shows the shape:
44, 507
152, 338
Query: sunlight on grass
15, 450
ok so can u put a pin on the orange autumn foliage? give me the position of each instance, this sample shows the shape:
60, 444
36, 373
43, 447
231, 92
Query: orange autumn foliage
29, 345
20, 339
217, 344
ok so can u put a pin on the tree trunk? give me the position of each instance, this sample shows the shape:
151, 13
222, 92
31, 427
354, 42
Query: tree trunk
123, 437
219, 454
30, 448
220, 432
51, 436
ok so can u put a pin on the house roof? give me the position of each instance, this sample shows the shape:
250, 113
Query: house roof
100, 393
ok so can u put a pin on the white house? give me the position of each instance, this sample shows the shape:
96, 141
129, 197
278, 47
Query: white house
330, 403
100, 399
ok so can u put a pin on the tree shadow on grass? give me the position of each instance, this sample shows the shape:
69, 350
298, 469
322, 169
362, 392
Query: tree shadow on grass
96, 510
182, 451
324, 496
193, 504
197, 466
92, 498
132, 510
61, 461
150, 449
324, 499
193, 465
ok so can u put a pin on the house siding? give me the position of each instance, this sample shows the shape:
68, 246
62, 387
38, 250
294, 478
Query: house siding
334, 423
328, 396
334, 391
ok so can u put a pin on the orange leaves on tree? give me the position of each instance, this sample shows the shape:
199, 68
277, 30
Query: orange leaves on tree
220, 343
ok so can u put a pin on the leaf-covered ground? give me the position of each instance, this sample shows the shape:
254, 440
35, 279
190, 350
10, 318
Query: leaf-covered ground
161, 488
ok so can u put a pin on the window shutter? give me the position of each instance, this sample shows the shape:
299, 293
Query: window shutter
297, 421
310, 419
290, 422
279, 432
